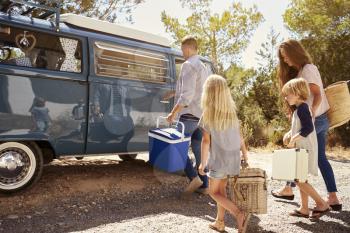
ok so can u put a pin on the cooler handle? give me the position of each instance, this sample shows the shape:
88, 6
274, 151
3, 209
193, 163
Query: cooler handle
177, 122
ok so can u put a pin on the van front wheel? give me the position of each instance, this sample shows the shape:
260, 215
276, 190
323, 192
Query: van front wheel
21, 166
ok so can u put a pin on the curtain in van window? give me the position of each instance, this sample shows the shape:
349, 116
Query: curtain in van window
46, 51
23, 61
69, 47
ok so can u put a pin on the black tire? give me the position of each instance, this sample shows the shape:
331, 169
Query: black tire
25, 174
127, 157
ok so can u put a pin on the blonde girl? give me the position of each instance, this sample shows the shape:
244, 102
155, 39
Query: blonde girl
303, 135
221, 137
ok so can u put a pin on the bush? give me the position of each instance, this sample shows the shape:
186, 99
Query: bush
278, 127
253, 124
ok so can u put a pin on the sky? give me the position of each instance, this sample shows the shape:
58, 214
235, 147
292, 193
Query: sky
147, 17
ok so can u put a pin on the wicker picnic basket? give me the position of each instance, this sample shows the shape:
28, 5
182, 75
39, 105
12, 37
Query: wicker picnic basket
249, 190
338, 97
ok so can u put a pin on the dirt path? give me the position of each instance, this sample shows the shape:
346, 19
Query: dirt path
107, 195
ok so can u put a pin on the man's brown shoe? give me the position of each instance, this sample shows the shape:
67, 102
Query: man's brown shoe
193, 185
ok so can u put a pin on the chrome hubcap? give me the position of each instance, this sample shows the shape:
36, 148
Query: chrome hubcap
14, 166
11, 160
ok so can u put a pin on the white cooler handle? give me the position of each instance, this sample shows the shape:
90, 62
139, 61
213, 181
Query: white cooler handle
177, 122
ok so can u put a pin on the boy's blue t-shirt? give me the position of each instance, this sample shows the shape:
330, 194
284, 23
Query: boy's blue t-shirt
304, 115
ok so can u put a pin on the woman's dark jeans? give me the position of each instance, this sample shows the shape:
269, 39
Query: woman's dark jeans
322, 125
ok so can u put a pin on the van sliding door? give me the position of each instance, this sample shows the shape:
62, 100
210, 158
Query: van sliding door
127, 86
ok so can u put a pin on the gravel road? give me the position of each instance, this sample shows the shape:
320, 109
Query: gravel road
105, 194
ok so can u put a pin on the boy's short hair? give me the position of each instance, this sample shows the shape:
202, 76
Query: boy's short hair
191, 41
298, 87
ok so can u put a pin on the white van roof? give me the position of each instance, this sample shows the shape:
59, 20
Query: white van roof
113, 28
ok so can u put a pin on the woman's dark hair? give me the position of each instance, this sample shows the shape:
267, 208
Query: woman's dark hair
299, 57
297, 54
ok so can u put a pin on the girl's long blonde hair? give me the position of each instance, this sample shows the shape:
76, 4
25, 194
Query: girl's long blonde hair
219, 109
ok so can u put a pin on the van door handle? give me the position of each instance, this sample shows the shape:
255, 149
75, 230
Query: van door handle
165, 101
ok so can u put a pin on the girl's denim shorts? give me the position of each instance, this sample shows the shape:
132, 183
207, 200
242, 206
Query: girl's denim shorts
219, 175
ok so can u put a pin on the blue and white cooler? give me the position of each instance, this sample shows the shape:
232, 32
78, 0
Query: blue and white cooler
168, 148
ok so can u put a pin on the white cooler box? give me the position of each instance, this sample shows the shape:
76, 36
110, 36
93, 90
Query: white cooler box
290, 165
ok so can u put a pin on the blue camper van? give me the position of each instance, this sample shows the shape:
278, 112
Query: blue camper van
76, 87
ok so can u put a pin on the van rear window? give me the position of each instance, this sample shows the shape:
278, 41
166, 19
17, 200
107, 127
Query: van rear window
22, 47
130, 63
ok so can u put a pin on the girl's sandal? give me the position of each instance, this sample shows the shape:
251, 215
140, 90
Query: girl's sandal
245, 223
218, 226
297, 213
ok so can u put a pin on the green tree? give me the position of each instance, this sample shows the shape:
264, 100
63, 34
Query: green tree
109, 10
240, 81
324, 29
221, 37
265, 88
322, 19
257, 96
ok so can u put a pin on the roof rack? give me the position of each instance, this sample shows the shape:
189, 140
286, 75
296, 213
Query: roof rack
49, 10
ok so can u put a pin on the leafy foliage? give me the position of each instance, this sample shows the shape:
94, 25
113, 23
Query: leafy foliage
108, 10
257, 96
221, 37
324, 27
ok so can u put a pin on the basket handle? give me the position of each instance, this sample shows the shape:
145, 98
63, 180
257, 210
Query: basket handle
244, 164
177, 122
347, 82
235, 191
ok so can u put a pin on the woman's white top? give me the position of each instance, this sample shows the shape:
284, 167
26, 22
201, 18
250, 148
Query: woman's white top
311, 74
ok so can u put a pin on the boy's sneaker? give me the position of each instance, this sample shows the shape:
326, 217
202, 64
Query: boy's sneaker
193, 186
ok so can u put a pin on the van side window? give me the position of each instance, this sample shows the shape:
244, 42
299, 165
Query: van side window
22, 47
130, 63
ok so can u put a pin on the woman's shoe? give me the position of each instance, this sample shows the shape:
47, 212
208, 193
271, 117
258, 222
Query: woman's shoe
217, 226
336, 207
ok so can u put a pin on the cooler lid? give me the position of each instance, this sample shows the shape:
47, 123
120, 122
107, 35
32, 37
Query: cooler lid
168, 133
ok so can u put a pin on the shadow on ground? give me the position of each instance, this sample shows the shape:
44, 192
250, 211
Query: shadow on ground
80, 195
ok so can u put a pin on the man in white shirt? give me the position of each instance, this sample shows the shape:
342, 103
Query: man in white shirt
188, 94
